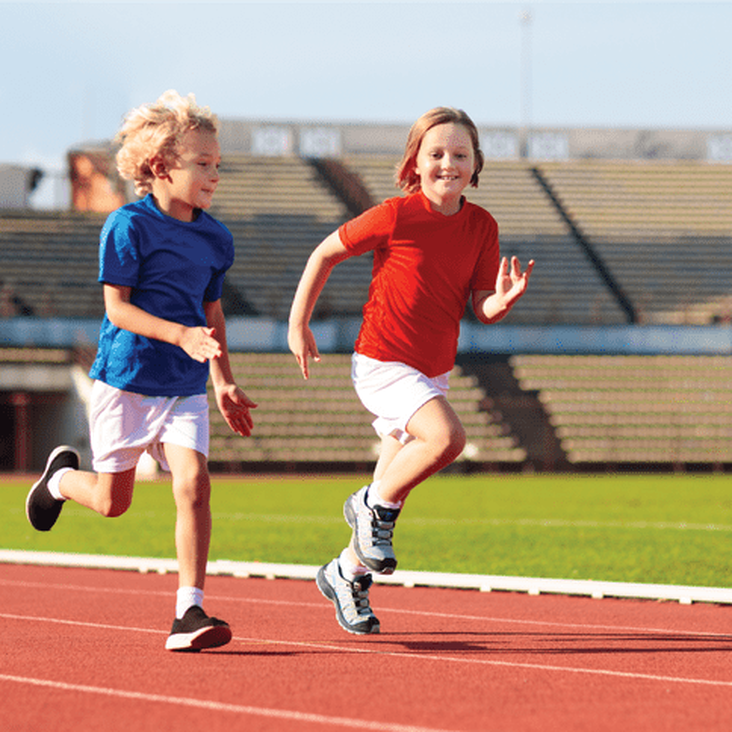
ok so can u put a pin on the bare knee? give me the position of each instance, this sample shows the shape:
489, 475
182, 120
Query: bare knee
193, 490
192, 496
438, 427
113, 493
451, 442
112, 507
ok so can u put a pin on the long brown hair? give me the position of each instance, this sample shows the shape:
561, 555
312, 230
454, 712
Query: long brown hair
406, 175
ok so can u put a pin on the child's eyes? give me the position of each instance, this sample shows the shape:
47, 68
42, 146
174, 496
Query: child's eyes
439, 155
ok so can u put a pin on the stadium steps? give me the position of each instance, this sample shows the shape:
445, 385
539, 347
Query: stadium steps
613, 199
253, 186
635, 409
322, 420
663, 228
51, 262
271, 253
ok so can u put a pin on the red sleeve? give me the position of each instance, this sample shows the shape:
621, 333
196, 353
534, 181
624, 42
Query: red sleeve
369, 230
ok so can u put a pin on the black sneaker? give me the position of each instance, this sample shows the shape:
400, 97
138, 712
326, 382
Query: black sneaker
196, 631
41, 508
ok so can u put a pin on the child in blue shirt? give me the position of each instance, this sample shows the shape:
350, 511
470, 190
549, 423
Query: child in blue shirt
162, 266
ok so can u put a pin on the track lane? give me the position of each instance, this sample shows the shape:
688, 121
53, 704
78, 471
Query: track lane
451, 660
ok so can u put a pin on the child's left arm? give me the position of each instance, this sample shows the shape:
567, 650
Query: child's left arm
232, 402
490, 307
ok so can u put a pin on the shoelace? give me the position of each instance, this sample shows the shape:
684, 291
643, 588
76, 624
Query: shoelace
360, 593
381, 530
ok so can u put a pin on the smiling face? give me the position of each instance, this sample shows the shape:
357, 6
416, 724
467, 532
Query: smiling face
445, 164
190, 180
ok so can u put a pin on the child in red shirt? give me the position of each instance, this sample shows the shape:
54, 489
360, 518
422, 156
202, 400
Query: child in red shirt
433, 251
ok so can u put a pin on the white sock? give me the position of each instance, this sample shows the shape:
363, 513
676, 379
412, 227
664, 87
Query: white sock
350, 570
54, 481
187, 597
373, 497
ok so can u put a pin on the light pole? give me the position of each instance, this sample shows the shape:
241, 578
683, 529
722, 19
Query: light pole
525, 19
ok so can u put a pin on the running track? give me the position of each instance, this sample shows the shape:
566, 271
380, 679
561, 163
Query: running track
83, 650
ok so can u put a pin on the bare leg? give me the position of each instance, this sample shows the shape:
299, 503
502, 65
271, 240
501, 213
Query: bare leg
390, 447
109, 494
192, 493
439, 440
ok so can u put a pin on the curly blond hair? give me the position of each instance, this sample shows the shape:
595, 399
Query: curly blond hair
406, 176
155, 130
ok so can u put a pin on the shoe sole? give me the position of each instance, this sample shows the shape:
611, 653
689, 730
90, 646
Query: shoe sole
44, 478
212, 636
385, 566
328, 592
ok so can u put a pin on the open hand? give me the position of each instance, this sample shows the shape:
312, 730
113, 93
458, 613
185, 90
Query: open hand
511, 284
234, 406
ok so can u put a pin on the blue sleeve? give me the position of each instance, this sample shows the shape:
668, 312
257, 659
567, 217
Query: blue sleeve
215, 288
119, 254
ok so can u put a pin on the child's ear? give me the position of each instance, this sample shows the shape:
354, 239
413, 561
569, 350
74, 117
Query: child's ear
158, 167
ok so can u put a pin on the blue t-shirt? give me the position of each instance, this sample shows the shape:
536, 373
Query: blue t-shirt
173, 267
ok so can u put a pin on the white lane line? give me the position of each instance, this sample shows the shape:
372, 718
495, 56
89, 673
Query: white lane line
510, 664
403, 611
365, 650
241, 709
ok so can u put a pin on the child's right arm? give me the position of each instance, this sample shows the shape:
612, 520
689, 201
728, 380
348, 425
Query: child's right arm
198, 342
317, 270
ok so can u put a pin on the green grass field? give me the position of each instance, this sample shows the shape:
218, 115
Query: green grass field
669, 529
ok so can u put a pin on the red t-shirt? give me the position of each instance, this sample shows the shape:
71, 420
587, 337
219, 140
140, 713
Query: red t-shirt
425, 267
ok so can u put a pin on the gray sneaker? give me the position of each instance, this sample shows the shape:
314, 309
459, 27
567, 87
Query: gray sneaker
351, 599
372, 532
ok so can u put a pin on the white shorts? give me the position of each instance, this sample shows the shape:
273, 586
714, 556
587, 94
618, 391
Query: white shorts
394, 392
124, 425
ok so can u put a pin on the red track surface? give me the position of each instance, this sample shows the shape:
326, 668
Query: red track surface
83, 650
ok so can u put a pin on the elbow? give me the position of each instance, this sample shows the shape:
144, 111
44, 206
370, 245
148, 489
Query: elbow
115, 317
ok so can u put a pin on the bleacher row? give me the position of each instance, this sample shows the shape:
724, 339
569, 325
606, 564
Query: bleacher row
663, 229
635, 409
672, 410
322, 420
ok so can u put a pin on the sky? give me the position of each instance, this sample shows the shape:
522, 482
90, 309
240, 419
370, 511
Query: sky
72, 70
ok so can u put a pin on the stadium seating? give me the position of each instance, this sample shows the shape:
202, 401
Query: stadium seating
51, 262
252, 186
663, 229
271, 252
322, 420
640, 200
635, 409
